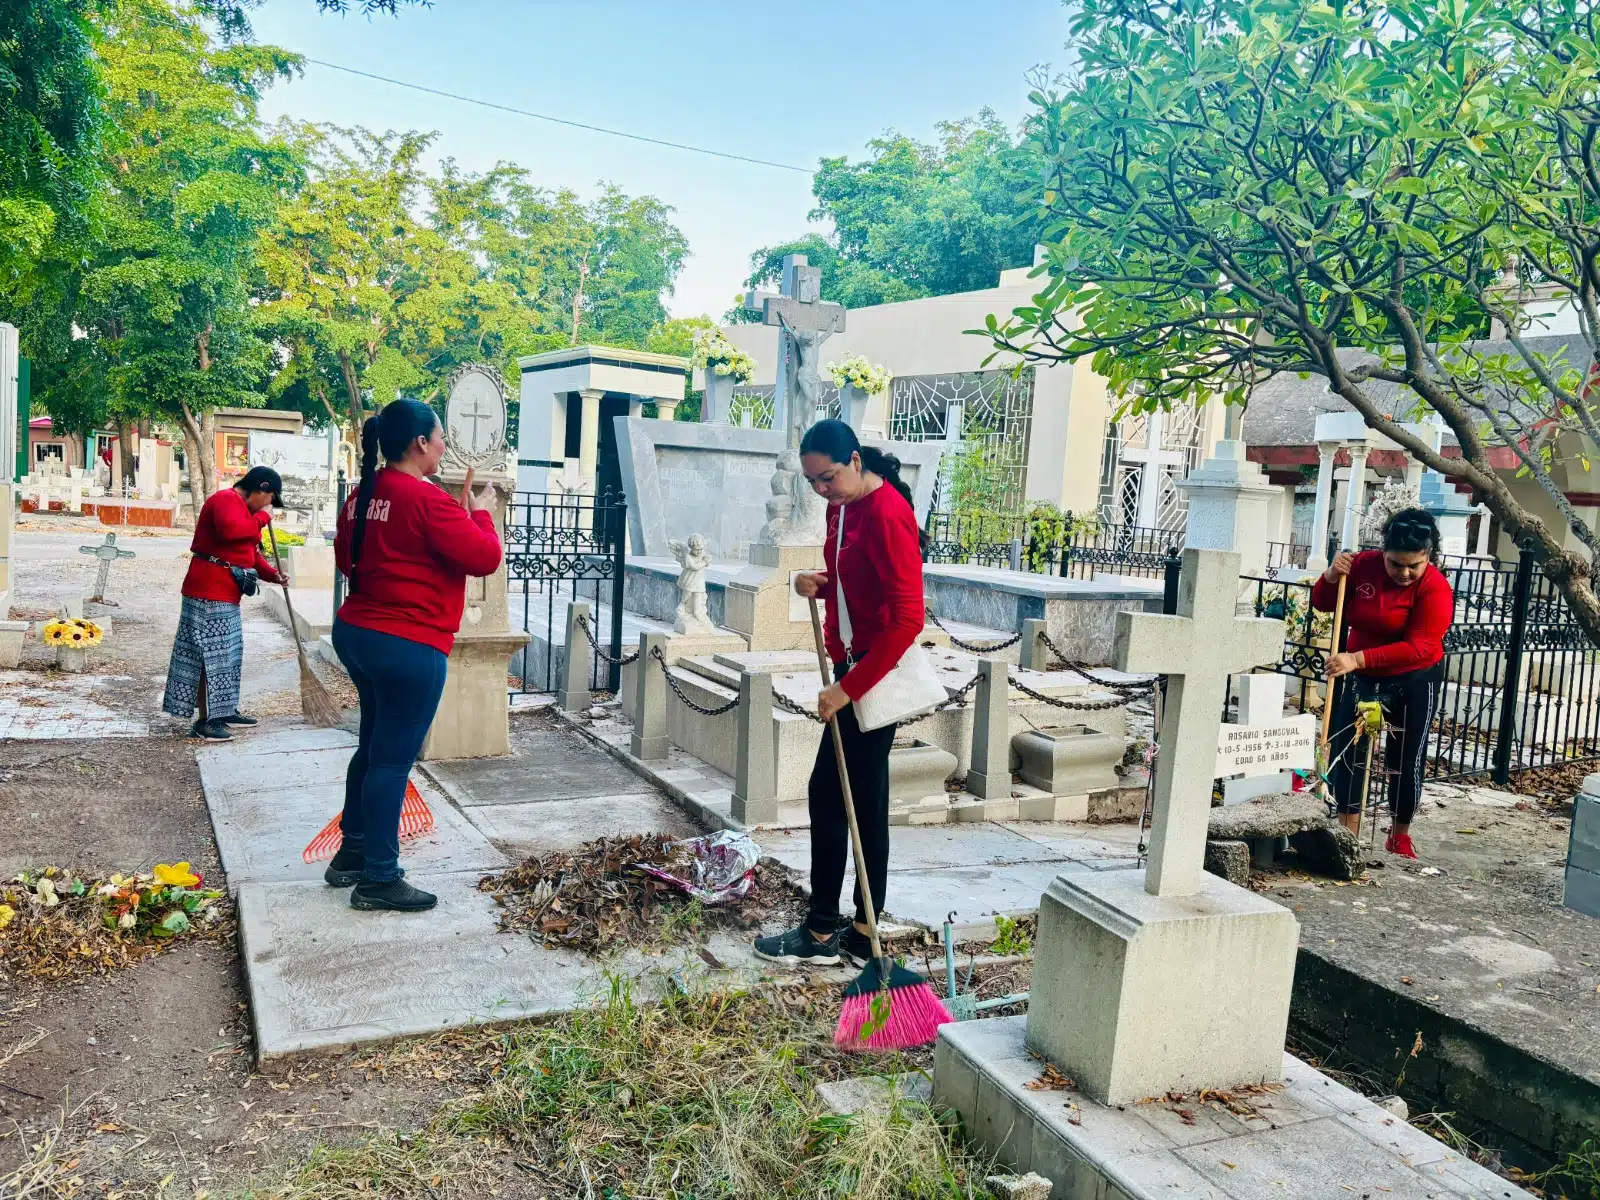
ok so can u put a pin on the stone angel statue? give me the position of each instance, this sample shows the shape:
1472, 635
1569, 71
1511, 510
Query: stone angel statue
693, 556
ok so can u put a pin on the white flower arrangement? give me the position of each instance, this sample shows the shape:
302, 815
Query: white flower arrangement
713, 352
1391, 498
857, 372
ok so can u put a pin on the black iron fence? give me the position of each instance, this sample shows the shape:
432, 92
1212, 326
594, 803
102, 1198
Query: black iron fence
1057, 544
562, 548
1521, 679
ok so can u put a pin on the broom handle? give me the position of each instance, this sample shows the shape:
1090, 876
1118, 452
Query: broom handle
863, 883
1366, 784
1338, 620
288, 603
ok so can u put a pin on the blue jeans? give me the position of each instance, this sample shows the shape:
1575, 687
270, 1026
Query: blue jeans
399, 683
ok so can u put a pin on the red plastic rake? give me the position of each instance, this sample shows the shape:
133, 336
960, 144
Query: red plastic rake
416, 819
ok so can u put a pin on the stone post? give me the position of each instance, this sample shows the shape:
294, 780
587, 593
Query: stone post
574, 693
1228, 498
1318, 560
990, 775
1582, 891
666, 410
1034, 654
755, 787
1355, 498
650, 701
1482, 548
589, 434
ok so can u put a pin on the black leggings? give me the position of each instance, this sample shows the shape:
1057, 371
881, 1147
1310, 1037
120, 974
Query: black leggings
1408, 704
866, 756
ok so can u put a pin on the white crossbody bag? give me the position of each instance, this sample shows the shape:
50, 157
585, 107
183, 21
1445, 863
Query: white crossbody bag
910, 689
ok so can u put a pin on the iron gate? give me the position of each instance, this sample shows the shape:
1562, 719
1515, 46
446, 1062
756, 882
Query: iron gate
562, 547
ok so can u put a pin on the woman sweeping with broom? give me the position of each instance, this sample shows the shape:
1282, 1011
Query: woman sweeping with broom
1397, 608
406, 547
872, 583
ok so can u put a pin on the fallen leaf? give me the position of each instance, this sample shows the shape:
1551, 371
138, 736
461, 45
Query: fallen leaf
1468, 829
1406, 979
1229, 1165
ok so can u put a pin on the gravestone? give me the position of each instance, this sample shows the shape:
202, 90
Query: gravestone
1264, 746
473, 716
107, 553
1170, 979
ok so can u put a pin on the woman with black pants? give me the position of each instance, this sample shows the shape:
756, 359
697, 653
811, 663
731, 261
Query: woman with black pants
1398, 607
880, 569
406, 547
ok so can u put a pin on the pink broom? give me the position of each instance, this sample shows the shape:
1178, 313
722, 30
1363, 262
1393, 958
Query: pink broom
888, 1007
416, 819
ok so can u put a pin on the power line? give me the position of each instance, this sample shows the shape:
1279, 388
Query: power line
523, 112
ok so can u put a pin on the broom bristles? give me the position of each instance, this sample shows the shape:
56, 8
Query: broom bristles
315, 703
901, 1015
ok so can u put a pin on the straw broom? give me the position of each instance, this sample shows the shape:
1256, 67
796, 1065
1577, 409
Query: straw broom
315, 703
887, 1007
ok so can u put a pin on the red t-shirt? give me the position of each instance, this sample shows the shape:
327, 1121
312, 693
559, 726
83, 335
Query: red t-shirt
1397, 629
228, 530
882, 572
419, 548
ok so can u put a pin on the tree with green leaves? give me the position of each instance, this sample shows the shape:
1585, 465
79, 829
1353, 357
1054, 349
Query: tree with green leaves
915, 219
1242, 187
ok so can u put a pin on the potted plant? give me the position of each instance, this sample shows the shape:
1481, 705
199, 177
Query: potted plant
73, 638
725, 366
857, 379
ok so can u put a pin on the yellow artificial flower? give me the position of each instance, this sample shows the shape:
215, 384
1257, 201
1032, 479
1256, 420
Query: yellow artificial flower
176, 876
7, 915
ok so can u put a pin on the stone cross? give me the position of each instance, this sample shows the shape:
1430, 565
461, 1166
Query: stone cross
805, 321
1197, 650
107, 553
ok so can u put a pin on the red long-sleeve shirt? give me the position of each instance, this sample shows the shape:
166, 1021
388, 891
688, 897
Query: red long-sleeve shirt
419, 548
882, 575
1396, 629
227, 529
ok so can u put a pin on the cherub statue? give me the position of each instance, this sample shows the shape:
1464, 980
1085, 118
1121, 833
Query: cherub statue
693, 559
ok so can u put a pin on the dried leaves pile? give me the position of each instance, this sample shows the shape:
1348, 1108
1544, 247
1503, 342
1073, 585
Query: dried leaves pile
596, 899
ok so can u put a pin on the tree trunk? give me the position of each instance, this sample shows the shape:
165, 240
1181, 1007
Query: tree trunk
577, 298
127, 446
200, 451
352, 391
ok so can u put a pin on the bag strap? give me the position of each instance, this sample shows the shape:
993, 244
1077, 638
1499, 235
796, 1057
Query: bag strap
846, 633
221, 562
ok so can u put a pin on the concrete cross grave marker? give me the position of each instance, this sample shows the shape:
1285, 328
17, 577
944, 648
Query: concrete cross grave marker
804, 321
107, 553
1197, 650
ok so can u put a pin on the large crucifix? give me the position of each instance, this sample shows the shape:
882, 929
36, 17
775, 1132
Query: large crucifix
1196, 650
804, 322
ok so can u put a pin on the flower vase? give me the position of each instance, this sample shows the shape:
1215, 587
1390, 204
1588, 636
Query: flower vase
716, 406
853, 407
72, 659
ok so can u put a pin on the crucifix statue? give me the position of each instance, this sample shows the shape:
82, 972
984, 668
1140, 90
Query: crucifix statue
804, 322
1196, 650
107, 553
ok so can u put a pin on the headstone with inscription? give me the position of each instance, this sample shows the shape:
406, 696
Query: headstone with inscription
1261, 750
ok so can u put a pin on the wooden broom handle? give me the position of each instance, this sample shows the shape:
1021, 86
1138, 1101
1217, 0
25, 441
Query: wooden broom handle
863, 883
289, 604
1338, 621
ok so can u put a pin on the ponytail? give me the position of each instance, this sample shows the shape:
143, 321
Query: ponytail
838, 442
392, 430
886, 467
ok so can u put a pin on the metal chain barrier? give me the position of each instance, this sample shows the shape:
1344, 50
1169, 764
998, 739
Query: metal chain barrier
1073, 705
661, 661
624, 661
971, 647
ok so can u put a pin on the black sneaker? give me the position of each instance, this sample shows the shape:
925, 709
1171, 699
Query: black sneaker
213, 731
855, 946
798, 947
396, 895
237, 719
345, 869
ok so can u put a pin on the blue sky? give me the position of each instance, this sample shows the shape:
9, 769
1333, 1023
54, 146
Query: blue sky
787, 82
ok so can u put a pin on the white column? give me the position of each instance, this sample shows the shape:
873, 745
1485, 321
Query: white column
1150, 475
666, 410
1483, 549
589, 434
1318, 560
1355, 496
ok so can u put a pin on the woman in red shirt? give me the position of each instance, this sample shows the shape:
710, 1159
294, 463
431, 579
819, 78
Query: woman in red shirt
208, 651
1398, 607
406, 547
880, 570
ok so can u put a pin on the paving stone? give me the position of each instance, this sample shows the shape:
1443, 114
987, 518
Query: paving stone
874, 1093
237, 769
544, 765
542, 827
921, 846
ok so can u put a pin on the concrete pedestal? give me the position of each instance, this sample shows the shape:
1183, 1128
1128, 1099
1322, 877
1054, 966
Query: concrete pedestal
473, 717
1137, 995
1228, 496
761, 604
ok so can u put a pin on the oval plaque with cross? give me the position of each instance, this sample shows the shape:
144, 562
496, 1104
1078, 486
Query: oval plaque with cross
475, 418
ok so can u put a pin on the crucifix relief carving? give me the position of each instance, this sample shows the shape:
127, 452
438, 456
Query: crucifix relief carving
804, 322
1196, 650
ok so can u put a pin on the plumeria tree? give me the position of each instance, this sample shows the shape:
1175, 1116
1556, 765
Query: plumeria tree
1360, 191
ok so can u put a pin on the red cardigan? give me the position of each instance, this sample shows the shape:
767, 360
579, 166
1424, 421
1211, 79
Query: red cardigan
882, 575
1397, 629
419, 549
228, 530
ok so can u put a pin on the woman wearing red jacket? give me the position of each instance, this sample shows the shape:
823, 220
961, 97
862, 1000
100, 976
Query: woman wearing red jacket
208, 651
880, 570
1398, 607
406, 547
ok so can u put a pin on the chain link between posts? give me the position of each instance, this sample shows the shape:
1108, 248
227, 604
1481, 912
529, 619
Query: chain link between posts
1116, 685
666, 673
970, 647
626, 660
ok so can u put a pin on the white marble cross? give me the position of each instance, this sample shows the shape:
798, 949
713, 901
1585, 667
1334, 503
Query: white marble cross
806, 321
107, 553
1196, 650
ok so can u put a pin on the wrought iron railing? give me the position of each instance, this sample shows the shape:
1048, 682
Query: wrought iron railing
1057, 544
